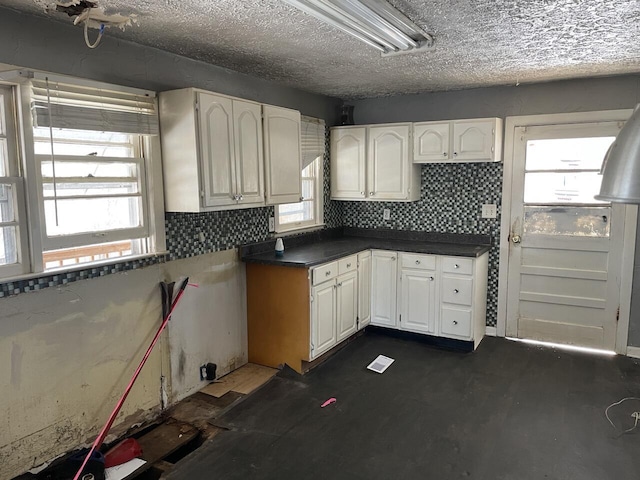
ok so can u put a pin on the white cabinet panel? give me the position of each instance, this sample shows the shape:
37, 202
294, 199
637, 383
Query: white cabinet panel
282, 156
418, 301
348, 157
346, 305
324, 272
216, 149
458, 290
455, 322
384, 276
431, 142
323, 314
247, 122
364, 289
389, 162
473, 140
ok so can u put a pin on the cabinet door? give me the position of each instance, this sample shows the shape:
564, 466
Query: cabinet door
247, 122
418, 301
431, 142
323, 318
364, 289
217, 156
388, 162
474, 140
346, 305
384, 276
348, 160
455, 322
282, 157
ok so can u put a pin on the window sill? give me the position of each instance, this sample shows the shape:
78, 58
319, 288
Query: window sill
80, 267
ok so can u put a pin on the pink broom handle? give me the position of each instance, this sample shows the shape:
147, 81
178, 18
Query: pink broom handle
107, 426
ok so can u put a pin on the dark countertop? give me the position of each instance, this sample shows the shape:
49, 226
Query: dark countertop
326, 250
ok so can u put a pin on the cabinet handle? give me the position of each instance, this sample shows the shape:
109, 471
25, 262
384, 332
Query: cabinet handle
431, 278
327, 273
370, 193
417, 262
241, 197
455, 290
393, 259
455, 154
444, 154
362, 193
456, 266
455, 322
348, 265
301, 198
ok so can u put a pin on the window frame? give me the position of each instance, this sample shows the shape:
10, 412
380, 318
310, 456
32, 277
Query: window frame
9, 113
318, 203
32, 216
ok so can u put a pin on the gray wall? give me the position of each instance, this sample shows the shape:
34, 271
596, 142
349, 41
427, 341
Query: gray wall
556, 97
38, 43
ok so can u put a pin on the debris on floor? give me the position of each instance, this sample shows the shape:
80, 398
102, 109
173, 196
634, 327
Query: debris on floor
380, 364
244, 380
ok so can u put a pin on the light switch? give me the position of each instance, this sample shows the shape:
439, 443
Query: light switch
489, 210
386, 214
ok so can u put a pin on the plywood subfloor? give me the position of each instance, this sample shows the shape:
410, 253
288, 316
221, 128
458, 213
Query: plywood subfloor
243, 380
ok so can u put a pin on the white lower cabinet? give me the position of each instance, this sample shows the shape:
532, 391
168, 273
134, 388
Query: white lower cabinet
436, 295
384, 275
364, 289
347, 305
323, 317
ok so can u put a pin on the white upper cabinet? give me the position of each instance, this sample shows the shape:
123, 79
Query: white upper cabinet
212, 151
348, 156
247, 125
374, 162
431, 142
477, 140
282, 156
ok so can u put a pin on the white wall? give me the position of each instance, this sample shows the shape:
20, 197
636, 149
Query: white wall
66, 354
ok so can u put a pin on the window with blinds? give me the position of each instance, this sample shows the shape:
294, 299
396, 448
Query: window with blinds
89, 145
309, 212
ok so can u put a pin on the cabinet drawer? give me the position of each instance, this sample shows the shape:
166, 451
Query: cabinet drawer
462, 266
457, 290
348, 264
325, 272
417, 261
455, 322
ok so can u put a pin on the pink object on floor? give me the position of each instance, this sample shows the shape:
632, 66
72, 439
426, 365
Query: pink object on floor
328, 402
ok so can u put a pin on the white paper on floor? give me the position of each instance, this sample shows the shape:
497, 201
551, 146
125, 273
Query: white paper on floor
380, 364
122, 471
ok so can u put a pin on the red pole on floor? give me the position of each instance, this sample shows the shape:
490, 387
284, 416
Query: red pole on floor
107, 426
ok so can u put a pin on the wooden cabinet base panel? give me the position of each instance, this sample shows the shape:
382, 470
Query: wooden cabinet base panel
308, 366
444, 343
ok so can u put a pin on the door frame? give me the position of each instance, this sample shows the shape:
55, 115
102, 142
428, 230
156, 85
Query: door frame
630, 225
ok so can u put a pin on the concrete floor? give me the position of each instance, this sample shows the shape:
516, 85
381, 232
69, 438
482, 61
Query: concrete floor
507, 411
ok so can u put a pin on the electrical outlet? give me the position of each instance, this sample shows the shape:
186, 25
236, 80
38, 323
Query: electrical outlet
203, 373
272, 224
201, 237
386, 214
489, 210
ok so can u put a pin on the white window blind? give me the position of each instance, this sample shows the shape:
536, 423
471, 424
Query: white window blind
312, 138
91, 107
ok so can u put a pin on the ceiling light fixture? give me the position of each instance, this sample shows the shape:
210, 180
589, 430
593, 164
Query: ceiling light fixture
621, 166
374, 22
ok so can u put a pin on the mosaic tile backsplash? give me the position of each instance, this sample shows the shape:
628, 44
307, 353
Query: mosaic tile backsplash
451, 198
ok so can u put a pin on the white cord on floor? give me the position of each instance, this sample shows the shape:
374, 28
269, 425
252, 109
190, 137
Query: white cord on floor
635, 415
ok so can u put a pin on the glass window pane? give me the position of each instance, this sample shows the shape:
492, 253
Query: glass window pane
4, 158
8, 245
546, 187
567, 153
92, 253
80, 189
310, 170
575, 221
84, 142
7, 213
89, 169
92, 215
307, 189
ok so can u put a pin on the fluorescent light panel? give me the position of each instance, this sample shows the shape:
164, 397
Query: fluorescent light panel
374, 22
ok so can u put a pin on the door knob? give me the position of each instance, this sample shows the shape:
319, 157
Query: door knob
516, 238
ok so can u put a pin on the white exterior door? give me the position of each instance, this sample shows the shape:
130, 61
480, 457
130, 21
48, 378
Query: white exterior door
565, 247
473, 140
384, 274
346, 305
247, 121
282, 156
431, 142
217, 156
348, 162
364, 289
323, 318
418, 301
388, 162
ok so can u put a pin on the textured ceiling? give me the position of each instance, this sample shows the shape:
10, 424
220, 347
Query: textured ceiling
478, 42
